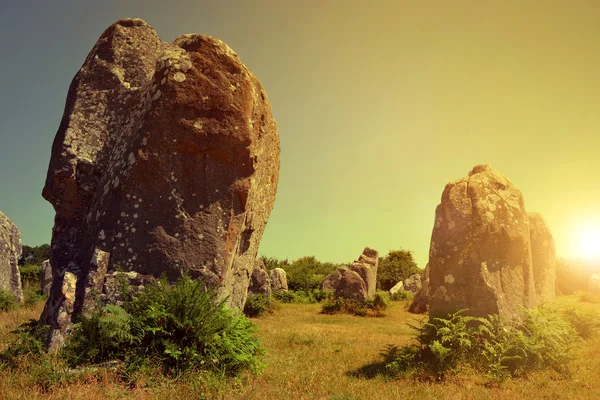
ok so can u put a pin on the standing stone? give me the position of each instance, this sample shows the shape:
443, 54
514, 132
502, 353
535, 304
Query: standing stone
260, 283
10, 251
366, 267
358, 281
480, 254
420, 303
166, 162
46, 277
397, 287
543, 258
413, 283
278, 279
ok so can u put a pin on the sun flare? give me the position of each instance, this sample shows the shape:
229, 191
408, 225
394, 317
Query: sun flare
589, 243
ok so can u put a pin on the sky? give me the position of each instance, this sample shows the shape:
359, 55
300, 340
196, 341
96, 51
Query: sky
379, 104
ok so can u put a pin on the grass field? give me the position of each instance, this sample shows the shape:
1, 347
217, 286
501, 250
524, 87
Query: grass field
312, 356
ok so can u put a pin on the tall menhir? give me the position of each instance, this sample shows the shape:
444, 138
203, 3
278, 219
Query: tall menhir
166, 162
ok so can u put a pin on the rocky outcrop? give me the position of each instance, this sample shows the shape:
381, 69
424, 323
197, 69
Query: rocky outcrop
46, 277
345, 283
397, 287
480, 254
260, 283
166, 161
413, 283
543, 258
10, 252
278, 279
357, 281
420, 303
366, 267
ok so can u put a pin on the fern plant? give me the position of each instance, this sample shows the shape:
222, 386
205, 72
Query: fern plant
177, 327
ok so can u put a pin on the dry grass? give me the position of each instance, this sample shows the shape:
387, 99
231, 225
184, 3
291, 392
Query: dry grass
314, 356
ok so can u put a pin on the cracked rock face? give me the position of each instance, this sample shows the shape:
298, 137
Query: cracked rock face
358, 281
10, 251
543, 257
166, 161
260, 283
480, 254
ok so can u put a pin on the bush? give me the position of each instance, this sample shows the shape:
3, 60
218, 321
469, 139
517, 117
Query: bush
302, 296
396, 266
402, 295
256, 305
30, 274
374, 306
498, 348
304, 274
7, 301
177, 327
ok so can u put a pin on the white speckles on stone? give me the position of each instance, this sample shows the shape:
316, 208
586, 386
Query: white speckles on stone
135, 215
156, 95
448, 279
130, 250
131, 160
201, 236
489, 215
116, 181
136, 205
134, 257
101, 235
163, 80
177, 235
198, 125
128, 195
132, 230
179, 76
119, 235
144, 141
122, 213
204, 98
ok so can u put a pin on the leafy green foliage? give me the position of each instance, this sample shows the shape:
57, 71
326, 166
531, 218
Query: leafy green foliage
304, 274
374, 306
176, 327
256, 305
28, 344
396, 266
302, 296
34, 255
30, 273
498, 348
402, 295
7, 301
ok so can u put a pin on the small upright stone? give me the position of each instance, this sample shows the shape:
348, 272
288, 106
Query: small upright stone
278, 279
260, 283
413, 283
543, 258
10, 251
366, 266
46, 277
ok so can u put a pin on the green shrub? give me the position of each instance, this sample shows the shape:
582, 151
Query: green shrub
30, 274
374, 306
497, 348
396, 266
256, 305
177, 327
585, 322
302, 296
7, 301
402, 295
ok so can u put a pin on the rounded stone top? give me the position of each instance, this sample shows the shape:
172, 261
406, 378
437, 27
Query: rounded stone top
480, 168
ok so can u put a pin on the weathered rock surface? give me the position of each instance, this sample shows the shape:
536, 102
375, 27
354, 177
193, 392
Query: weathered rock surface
594, 284
480, 255
166, 161
278, 279
46, 277
543, 258
420, 303
366, 267
397, 287
260, 283
345, 283
357, 281
413, 283
10, 251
